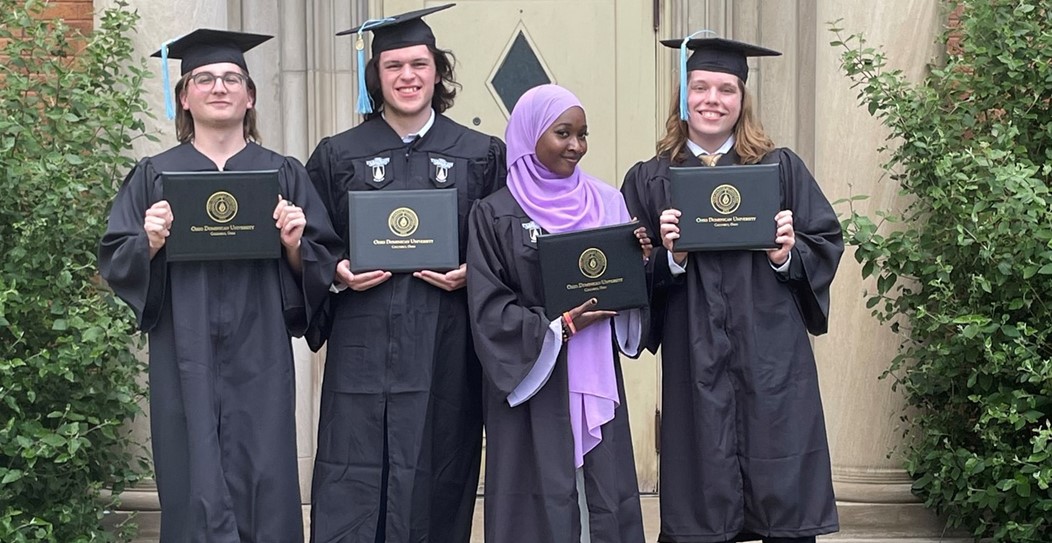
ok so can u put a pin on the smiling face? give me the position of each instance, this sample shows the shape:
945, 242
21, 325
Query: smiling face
222, 102
563, 144
407, 80
714, 103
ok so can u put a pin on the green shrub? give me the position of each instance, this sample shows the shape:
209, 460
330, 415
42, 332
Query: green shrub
964, 272
67, 378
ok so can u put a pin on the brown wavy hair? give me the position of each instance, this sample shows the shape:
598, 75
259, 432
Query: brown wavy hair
184, 121
445, 88
750, 141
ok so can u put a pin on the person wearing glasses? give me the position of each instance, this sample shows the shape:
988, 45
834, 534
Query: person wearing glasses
222, 385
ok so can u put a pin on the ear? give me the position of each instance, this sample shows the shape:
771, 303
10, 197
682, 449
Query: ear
183, 101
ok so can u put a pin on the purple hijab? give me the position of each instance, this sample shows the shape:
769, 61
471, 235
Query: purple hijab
563, 204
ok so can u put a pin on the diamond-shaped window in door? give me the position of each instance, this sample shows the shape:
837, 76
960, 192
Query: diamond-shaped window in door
518, 70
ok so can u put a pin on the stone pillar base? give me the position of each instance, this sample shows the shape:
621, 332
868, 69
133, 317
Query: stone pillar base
892, 522
835, 539
141, 506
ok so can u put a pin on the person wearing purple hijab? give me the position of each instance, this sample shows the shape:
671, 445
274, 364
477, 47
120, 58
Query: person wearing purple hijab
559, 463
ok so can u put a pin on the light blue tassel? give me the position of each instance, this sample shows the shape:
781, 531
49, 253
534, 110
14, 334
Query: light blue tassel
166, 80
365, 103
683, 72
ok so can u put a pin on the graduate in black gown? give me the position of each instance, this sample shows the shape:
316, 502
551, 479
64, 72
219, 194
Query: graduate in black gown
400, 428
743, 441
222, 406
557, 436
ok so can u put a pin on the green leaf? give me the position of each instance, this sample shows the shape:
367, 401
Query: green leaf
867, 268
53, 440
11, 476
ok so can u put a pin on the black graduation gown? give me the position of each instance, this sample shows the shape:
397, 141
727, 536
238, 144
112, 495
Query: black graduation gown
401, 380
222, 383
531, 492
743, 440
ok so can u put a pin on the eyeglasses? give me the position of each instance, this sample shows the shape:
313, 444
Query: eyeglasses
207, 80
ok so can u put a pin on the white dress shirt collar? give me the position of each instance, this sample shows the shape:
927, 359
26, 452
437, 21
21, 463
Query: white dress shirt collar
696, 149
420, 133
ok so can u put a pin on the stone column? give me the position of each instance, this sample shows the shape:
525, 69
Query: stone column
862, 411
282, 108
332, 81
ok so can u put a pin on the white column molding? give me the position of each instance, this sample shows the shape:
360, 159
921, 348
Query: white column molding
332, 81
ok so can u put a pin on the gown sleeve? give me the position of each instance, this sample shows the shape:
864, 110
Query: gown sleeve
508, 336
644, 192
124, 252
496, 174
627, 326
320, 249
819, 242
319, 172
542, 367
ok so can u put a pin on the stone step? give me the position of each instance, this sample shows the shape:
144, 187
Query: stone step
861, 523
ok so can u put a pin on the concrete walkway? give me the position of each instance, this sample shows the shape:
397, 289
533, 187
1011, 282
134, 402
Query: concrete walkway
148, 524
650, 520
651, 525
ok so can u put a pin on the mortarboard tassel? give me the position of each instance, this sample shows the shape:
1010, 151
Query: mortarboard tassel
683, 72
166, 80
365, 103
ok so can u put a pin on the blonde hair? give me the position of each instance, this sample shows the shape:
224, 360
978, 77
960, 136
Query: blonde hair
184, 121
751, 143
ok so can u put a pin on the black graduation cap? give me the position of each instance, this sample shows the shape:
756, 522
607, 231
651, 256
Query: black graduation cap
398, 31
721, 55
208, 46
389, 33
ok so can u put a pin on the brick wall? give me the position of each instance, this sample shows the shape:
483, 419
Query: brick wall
77, 13
953, 44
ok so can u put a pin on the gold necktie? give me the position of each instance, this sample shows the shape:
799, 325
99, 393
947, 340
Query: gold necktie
710, 160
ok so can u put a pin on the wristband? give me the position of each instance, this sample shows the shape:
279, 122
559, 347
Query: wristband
569, 323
